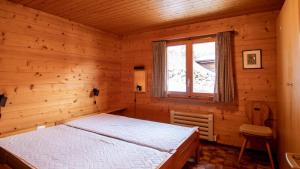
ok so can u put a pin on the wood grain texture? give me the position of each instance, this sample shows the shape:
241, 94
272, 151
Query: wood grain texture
132, 15
288, 49
255, 31
49, 65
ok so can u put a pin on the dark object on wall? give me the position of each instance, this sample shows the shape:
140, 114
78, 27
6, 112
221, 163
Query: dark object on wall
139, 67
96, 92
257, 109
138, 88
3, 100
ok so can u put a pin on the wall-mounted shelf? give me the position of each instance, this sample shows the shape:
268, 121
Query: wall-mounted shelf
115, 110
139, 79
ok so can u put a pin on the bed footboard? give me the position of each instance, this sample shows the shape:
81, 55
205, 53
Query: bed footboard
11, 160
188, 149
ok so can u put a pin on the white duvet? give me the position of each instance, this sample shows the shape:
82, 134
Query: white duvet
161, 136
63, 147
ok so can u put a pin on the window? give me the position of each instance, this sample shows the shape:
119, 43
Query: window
204, 67
191, 68
176, 68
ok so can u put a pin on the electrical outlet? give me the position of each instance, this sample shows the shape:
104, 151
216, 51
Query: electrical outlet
40, 127
215, 137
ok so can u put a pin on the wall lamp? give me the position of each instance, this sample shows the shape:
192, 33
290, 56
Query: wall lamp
96, 92
3, 100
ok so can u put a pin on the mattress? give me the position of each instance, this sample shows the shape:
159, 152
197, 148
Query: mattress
160, 136
63, 147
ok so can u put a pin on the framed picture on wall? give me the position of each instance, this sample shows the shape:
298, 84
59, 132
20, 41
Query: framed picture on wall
252, 59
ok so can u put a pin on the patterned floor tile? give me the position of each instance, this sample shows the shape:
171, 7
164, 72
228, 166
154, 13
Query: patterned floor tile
215, 156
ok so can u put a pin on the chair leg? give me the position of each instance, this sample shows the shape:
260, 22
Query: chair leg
242, 150
270, 154
197, 154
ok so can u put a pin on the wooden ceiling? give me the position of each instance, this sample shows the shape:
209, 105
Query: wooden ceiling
125, 16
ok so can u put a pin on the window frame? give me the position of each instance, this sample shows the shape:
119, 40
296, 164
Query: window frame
189, 70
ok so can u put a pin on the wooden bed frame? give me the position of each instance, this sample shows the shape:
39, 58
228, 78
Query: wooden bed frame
177, 160
188, 148
12, 161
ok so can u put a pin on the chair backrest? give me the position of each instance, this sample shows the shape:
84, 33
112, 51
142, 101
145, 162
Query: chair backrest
257, 112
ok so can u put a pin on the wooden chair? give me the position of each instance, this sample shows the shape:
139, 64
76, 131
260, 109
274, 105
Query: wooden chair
258, 113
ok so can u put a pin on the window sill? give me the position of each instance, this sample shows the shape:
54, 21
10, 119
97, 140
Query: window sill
204, 98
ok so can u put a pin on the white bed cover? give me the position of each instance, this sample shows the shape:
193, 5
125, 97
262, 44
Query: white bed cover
63, 147
160, 136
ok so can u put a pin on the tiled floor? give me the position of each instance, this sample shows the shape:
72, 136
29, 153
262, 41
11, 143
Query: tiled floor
4, 167
214, 156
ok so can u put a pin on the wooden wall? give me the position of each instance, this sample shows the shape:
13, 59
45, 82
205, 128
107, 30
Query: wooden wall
288, 30
255, 31
49, 65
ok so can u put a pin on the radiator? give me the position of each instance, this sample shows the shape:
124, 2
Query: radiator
203, 121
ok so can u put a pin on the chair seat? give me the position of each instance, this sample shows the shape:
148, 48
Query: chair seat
255, 130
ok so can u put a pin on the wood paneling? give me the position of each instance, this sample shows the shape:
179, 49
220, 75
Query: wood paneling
132, 15
288, 29
49, 65
255, 31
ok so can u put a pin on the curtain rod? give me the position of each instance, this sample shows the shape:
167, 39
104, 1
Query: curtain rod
192, 37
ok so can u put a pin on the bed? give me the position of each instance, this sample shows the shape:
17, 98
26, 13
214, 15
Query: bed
180, 141
104, 141
67, 147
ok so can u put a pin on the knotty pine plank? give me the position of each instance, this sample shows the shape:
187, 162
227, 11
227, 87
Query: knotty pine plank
49, 65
